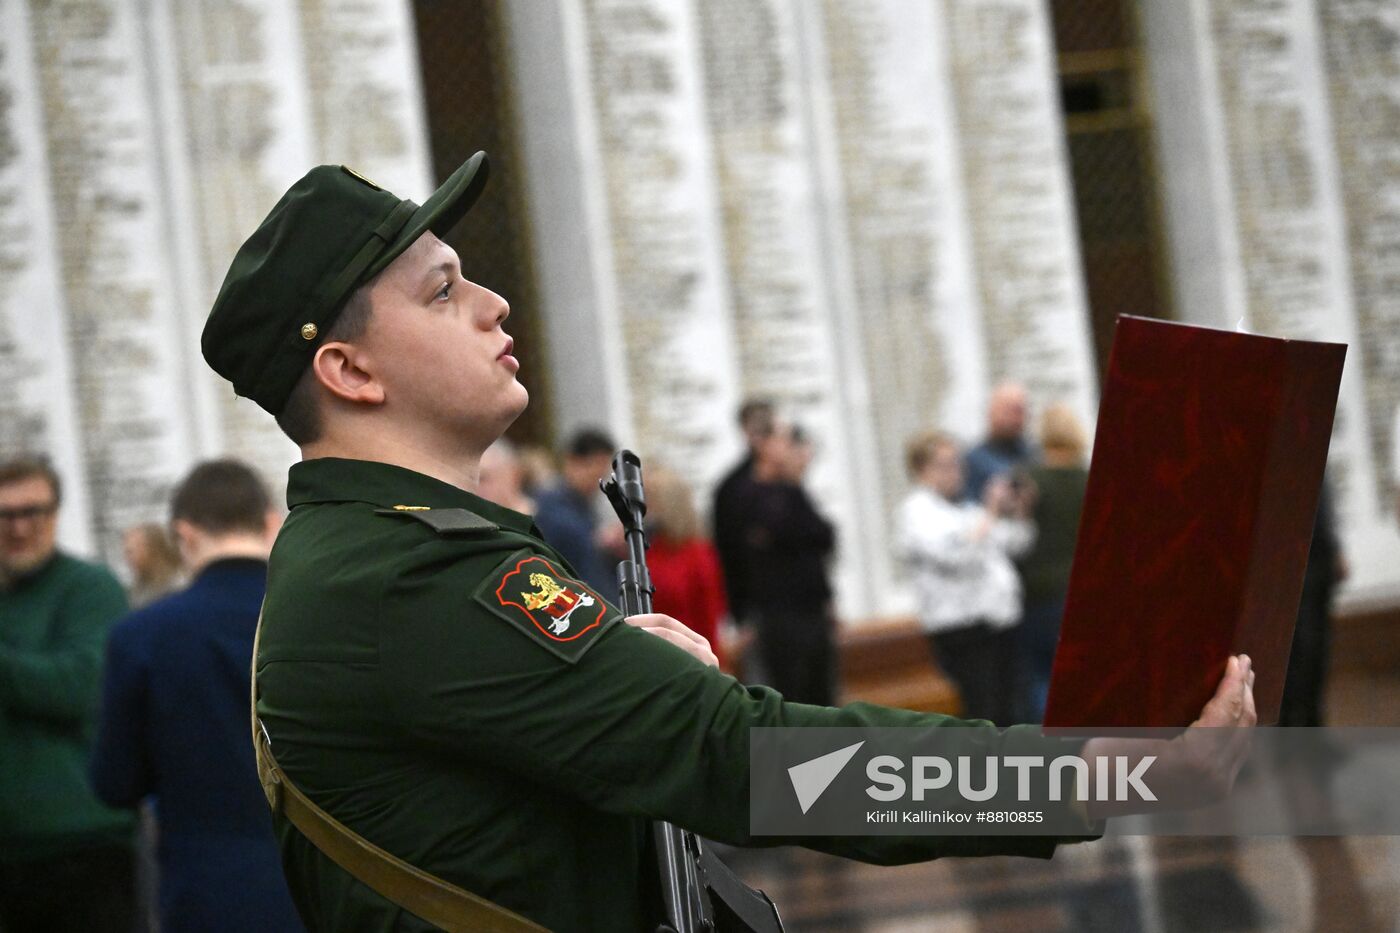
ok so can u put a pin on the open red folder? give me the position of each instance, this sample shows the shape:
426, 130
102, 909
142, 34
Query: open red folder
1208, 461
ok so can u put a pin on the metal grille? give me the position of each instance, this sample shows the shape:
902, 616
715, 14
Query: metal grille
468, 99
468, 94
1090, 25
1108, 139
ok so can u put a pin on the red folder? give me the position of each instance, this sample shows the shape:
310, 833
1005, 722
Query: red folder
1208, 461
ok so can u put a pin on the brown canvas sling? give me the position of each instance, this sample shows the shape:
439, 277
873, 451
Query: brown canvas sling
424, 895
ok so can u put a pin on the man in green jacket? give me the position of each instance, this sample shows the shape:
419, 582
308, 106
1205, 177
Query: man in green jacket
431, 673
65, 859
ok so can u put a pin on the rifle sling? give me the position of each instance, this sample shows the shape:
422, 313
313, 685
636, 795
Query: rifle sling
424, 895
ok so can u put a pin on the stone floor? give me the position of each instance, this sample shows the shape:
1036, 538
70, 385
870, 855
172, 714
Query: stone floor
1157, 885
1118, 884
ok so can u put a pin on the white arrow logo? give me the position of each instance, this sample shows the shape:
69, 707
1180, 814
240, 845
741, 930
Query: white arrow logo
811, 778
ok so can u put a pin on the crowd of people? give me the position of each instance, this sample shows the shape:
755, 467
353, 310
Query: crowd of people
124, 711
988, 538
985, 537
114, 701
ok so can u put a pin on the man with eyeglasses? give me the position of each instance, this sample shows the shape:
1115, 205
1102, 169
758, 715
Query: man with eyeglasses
65, 859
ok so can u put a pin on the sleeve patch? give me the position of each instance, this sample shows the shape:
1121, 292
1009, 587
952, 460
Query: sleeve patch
561, 613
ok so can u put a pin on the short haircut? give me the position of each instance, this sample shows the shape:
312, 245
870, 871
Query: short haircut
29, 466
920, 448
221, 497
300, 418
756, 414
586, 442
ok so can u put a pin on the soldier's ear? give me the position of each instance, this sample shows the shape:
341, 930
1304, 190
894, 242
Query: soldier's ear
187, 539
345, 371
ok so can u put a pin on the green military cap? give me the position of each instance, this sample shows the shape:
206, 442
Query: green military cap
331, 232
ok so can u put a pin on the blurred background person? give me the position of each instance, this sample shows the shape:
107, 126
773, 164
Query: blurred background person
968, 597
1005, 447
567, 513
174, 721
154, 563
538, 469
727, 520
787, 547
1305, 684
502, 478
66, 860
683, 564
1059, 484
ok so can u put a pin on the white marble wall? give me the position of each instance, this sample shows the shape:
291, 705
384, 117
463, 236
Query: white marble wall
860, 208
848, 206
1279, 137
143, 141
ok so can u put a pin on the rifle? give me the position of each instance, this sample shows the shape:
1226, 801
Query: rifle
699, 891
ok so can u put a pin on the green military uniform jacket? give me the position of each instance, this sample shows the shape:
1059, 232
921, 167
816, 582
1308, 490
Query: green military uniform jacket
457, 697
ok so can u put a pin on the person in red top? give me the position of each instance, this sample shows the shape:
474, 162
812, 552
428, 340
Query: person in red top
683, 563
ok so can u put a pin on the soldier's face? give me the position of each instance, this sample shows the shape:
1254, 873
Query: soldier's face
28, 525
443, 357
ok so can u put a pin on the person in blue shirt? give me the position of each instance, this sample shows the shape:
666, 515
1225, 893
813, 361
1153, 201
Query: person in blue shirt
174, 720
1006, 453
1005, 448
566, 513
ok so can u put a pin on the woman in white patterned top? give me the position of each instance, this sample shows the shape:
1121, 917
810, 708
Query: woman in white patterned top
967, 590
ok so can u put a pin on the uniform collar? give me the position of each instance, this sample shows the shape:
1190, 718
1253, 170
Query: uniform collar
333, 479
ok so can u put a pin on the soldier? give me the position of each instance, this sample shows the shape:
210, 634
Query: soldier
417, 685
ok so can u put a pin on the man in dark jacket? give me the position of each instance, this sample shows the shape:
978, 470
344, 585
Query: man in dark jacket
788, 545
1303, 689
756, 421
65, 859
174, 722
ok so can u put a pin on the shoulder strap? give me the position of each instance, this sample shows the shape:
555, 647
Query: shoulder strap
443, 521
422, 894
462, 523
